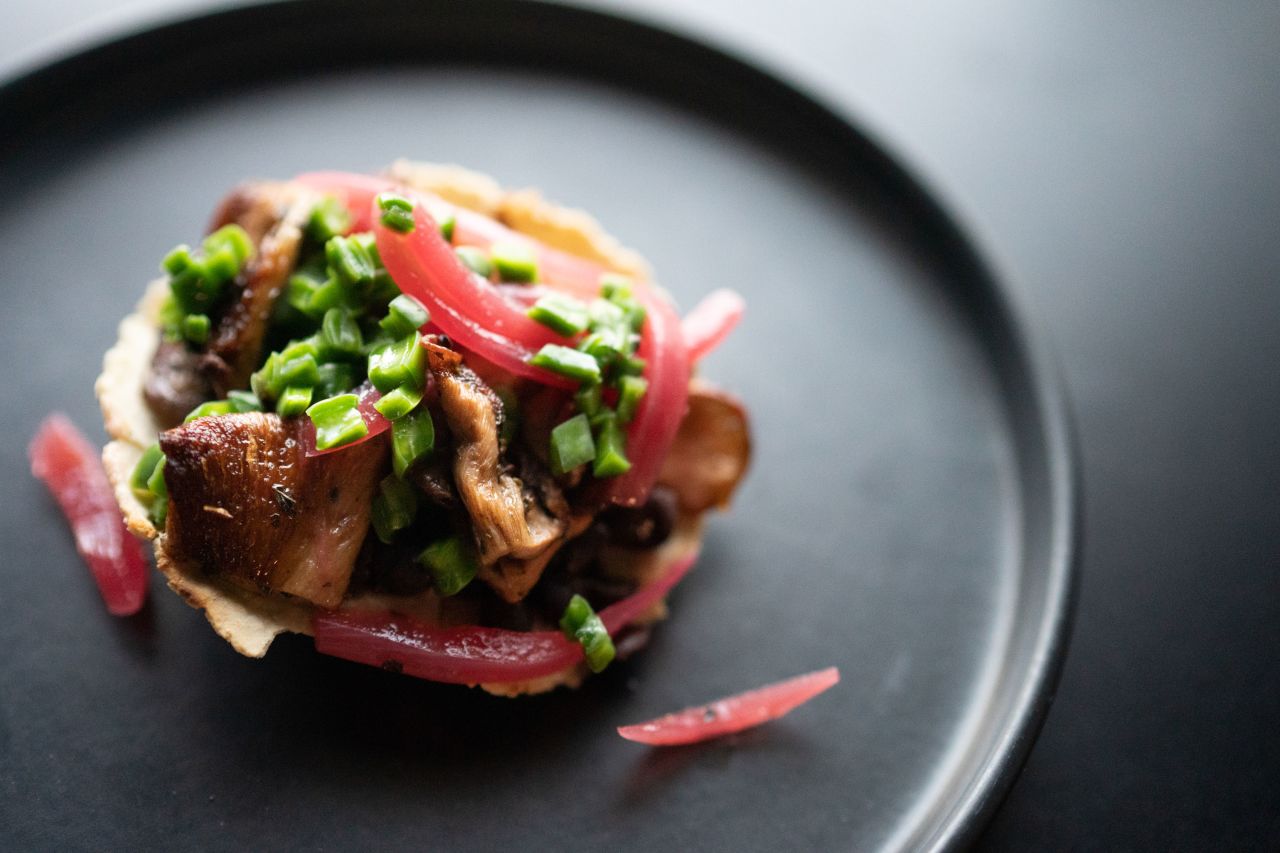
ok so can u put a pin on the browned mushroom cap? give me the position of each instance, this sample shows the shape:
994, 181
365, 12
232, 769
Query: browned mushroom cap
248, 505
182, 378
711, 450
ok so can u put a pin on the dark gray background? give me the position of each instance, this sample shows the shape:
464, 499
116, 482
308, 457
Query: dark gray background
1119, 162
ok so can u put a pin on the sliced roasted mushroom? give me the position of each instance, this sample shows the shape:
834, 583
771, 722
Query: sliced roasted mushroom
711, 450
182, 377
507, 522
248, 505
174, 385
235, 346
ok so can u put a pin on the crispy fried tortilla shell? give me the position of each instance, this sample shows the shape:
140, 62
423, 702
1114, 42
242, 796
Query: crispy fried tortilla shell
250, 621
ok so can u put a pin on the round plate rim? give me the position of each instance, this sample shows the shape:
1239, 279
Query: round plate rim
76, 50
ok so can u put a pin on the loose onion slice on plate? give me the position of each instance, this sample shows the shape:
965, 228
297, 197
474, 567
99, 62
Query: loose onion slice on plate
70, 466
734, 713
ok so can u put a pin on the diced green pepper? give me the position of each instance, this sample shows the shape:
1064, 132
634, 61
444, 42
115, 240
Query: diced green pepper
398, 403
560, 313
329, 219
412, 438
611, 447
300, 371
340, 334
567, 362
195, 328
210, 408
571, 445
604, 314
589, 399
581, 623
400, 363
515, 262
233, 239
244, 401
630, 366
615, 286
338, 421
293, 401
630, 390
350, 260
475, 259
394, 508
142, 473
451, 563
404, 316
159, 490
397, 212
300, 294
335, 378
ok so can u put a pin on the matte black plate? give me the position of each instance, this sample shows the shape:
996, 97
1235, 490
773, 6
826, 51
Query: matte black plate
908, 518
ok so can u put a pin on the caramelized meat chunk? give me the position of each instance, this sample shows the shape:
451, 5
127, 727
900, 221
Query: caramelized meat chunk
248, 505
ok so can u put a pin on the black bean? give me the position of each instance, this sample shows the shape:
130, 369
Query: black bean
646, 526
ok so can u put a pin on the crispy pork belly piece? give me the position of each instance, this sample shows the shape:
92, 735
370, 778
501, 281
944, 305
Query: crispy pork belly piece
247, 505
